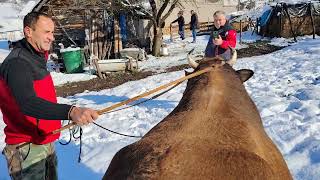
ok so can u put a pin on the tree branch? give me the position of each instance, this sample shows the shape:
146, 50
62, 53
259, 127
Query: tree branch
153, 7
163, 7
173, 5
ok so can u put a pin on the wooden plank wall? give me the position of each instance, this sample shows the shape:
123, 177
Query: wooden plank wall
301, 26
72, 20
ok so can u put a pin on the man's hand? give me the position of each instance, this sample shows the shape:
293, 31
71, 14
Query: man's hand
218, 41
83, 116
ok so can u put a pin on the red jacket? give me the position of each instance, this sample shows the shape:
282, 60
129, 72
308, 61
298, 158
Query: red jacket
28, 99
229, 37
21, 128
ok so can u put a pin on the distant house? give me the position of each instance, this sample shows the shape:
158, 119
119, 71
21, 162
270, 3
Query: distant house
204, 10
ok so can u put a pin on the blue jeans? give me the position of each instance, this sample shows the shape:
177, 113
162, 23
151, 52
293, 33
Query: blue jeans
194, 35
181, 33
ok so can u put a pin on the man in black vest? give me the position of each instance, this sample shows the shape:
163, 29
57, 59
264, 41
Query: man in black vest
180, 21
222, 37
29, 105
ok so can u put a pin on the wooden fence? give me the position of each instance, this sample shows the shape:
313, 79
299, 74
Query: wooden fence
11, 35
205, 27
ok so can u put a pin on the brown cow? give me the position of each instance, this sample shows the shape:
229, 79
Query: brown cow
215, 132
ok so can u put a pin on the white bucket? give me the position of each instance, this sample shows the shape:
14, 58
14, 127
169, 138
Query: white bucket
164, 51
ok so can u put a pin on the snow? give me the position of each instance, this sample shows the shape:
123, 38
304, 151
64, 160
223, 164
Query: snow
62, 78
11, 17
27, 8
285, 88
292, 1
69, 49
3, 54
9, 20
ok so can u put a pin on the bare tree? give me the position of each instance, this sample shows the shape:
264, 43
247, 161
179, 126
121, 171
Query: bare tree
157, 14
157, 20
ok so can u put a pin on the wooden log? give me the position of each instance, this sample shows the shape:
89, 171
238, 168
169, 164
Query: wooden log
94, 37
72, 26
95, 62
117, 38
280, 23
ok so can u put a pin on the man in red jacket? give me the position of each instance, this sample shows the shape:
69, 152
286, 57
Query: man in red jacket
222, 37
29, 105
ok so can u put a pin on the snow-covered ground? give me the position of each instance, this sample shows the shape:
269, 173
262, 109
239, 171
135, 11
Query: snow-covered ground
9, 19
285, 88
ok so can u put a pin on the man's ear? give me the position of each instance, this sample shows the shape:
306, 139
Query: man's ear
245, 74
27, 31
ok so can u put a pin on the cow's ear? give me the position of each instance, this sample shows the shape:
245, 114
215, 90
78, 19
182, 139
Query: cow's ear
245, 74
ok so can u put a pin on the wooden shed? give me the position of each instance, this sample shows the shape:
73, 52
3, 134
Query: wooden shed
91, 25
291, 20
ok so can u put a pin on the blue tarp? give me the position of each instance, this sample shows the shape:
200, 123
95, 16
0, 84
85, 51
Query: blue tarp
263, 20
123, 27
4, 44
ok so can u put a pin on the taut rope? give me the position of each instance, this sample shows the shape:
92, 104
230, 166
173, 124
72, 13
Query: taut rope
102, 111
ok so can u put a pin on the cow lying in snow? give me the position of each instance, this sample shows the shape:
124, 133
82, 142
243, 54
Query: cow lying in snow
215, 132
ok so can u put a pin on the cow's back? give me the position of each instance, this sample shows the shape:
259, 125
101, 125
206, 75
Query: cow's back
215, 132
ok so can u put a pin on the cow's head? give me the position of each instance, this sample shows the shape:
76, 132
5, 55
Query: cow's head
217, 62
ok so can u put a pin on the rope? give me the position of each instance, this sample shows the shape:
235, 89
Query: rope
115, 131
157, 95
29, 148
102, 111
153, 97
20, 153
80, 150
108, 109
72, 133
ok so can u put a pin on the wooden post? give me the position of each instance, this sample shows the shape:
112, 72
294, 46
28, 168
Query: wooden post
95, 62
171, 37
117, 38
257, 26
280, 23
240, 31
312, 21
92, 37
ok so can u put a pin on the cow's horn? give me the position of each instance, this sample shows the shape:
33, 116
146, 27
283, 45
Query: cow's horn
192, 62
233, 59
